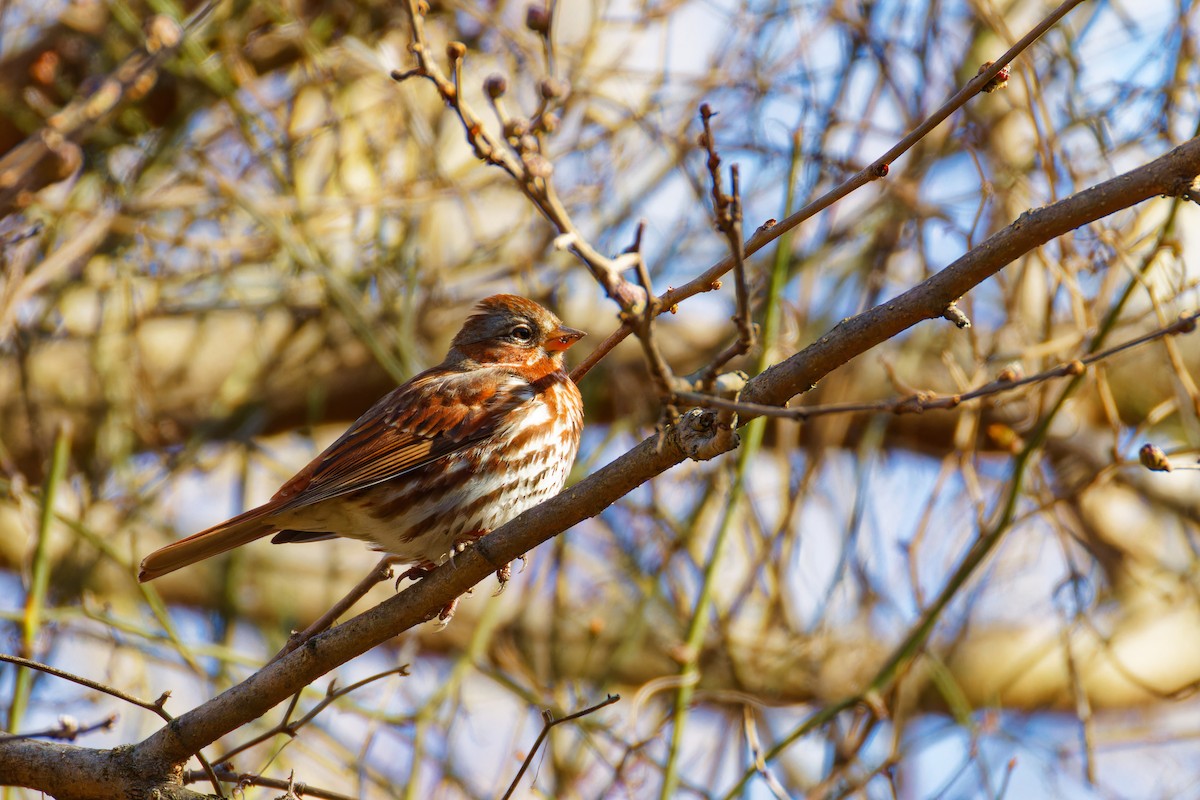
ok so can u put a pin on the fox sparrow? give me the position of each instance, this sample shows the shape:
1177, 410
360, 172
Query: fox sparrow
450, 455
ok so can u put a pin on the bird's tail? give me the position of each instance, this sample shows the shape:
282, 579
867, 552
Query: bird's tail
232, 533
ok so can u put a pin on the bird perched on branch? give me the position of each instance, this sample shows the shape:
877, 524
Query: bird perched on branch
437, 463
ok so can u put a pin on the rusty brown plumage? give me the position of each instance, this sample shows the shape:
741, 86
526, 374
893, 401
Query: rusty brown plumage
438, 462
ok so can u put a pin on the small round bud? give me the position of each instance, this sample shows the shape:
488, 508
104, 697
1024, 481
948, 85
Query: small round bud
553, 89
162, 32
495, 86
537, 19
141, 86
537, 165
44, 69
1153, 458
515, 128
549, 122
1010, 374
1005, 437
998, 82
455, 50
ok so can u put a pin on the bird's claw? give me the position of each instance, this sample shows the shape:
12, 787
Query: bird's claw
504, 574
445, 615
414, 573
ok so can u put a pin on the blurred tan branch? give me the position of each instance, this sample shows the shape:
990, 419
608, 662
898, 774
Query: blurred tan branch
929, 401
52, 154
1169, 174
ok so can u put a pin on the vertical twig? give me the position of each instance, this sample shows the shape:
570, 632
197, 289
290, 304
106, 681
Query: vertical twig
689, 671
642, 321
727, 213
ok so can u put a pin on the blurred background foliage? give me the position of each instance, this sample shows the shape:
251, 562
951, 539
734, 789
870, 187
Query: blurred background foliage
205, 283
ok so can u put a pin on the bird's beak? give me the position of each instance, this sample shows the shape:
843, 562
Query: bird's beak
563, 338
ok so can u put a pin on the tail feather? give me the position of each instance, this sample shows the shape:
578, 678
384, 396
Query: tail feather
240, 530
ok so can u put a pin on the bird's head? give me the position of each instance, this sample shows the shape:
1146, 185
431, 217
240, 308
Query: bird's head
508, 330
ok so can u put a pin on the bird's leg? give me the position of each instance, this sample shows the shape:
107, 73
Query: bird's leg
420, 570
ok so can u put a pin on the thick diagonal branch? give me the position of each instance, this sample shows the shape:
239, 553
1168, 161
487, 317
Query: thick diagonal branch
1170, 174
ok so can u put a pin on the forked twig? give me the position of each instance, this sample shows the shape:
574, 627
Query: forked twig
379, 573
643, 321
727, 210
155, 707
332, 693
294, 788
1008, 380
519, 152
550, 723
879, 168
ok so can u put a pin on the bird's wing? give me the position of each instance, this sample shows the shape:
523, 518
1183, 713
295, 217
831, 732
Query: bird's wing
433, 415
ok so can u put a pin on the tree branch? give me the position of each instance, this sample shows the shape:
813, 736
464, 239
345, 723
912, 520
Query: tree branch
1170, 174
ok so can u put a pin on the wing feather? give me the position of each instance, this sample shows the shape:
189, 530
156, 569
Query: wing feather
428, 418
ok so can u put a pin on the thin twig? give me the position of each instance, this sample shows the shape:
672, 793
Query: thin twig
752, 742
727, 213
709, 279
732, 227
332, 693
155, 707
643, 319
550, 723
931, 401
67, 730
250, 779
518, 153
379, 573
17, 236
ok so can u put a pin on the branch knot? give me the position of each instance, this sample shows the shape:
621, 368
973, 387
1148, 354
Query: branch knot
701, 436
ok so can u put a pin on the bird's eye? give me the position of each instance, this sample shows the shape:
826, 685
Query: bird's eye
522, 333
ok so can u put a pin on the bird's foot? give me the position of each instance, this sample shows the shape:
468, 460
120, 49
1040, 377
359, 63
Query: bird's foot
504, 574
419, 571
446, 614
416, 573
466, 540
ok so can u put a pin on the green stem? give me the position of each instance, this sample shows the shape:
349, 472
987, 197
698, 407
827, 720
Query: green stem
689, 672
39, 582
908, 650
